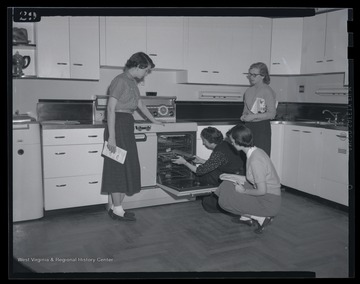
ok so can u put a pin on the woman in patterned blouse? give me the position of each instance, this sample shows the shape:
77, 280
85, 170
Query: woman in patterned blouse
223, 159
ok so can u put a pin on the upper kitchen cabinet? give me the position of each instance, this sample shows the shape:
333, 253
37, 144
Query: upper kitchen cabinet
161, 38
325, 42
68, 47
122, 37
165, 41
220, 49
286, 46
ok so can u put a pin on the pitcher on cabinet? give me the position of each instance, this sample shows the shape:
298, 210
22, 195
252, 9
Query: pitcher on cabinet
19, 63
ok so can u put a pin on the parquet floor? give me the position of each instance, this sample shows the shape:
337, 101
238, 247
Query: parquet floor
305, 236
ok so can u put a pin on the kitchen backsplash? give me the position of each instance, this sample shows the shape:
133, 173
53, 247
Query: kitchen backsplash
231, 111
311, 111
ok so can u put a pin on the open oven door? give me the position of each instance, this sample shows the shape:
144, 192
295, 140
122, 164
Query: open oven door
186, 192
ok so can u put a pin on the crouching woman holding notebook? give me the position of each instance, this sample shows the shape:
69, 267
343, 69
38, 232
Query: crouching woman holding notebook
256, 198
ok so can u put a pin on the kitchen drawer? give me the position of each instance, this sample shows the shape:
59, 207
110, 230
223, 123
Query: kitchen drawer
73, 192
73, 160
72, 136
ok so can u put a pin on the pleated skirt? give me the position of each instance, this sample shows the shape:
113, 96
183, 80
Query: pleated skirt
117, 177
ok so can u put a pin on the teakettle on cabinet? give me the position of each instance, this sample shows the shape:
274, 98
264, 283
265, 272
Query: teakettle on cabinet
19, 63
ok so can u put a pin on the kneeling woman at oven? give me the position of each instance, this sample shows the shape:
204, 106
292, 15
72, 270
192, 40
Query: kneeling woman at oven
256, 197
124, 97
223, 159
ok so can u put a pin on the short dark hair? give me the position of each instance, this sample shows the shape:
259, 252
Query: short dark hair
241, 135
212, 135
264, 71
139, 59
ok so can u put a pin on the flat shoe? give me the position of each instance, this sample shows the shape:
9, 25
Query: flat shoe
261, 228
127, 214
243, 222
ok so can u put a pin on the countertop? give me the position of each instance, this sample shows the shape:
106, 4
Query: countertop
309, 123
95, 124
313, 123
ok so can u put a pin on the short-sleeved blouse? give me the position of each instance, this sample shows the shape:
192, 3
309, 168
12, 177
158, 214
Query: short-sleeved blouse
124, 88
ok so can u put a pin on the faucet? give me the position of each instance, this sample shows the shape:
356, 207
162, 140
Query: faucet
334, 114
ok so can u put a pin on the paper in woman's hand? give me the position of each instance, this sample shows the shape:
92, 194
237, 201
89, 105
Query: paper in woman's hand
259, 106
119, 155
233, 178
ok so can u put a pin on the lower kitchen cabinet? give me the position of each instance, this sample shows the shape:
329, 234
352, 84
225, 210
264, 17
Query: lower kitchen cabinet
302, 158
334, 178
72, 167
277, 146
316, 161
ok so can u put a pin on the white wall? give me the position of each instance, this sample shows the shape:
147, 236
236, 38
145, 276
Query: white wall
27, 92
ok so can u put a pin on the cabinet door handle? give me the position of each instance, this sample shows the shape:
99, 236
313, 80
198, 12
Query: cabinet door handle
93, 182
342, 137
204, 71
152, 54
93, 151
59, 137
295, 130
60, 185
77, 64
275, 63
92, 136
330, 60
215, 71
61, 63
60, 153
306, 131
318, 61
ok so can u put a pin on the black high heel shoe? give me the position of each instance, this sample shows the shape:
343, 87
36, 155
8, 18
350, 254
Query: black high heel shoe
243, 222
260, 228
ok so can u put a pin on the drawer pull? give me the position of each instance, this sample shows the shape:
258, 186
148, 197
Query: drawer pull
152, 54
60, 153
60, 185
341, 151
92, 152
330, 60
92, 136
77, 64
204, 71
275, 63
59, 137
306, 131
215, 71
295, 130
93, 182
61, 63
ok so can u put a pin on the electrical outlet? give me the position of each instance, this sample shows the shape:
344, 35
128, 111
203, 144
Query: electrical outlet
301, 89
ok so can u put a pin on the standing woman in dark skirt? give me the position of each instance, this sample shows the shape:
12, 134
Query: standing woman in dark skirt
259, 106
120, 180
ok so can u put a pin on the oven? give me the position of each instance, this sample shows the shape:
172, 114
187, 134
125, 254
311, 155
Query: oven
175, 139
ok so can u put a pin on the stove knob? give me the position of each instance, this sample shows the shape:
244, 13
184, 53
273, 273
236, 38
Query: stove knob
155, 113
171, 113
148, 128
